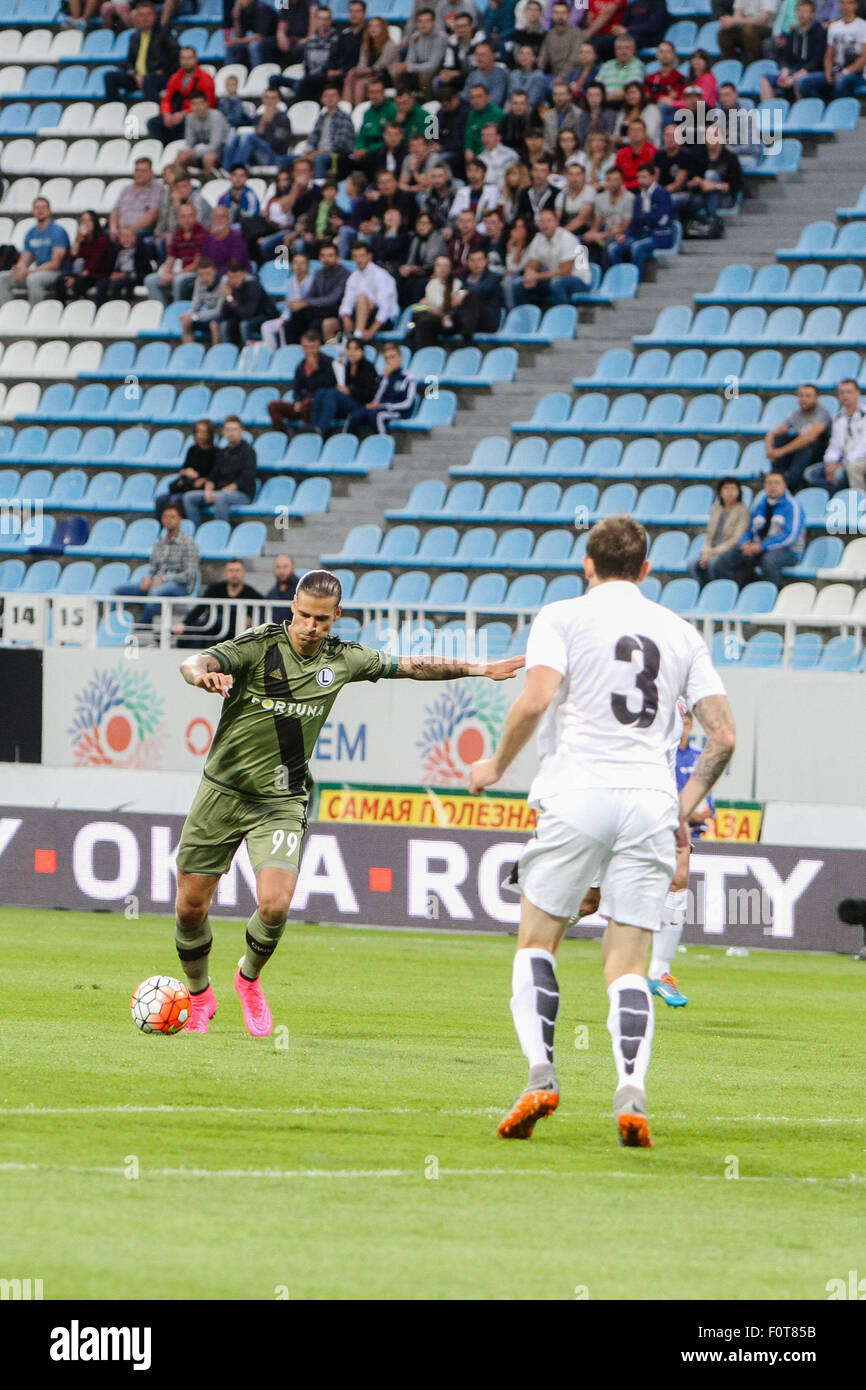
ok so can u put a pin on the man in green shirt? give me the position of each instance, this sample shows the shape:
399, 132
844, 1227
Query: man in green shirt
371, 136
625, 67
481, 112
279, 682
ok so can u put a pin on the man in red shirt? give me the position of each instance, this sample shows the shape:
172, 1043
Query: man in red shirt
667, 84
190, 80
186, 245
638, 151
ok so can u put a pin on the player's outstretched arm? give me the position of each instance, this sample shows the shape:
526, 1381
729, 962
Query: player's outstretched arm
422, 668
523, 719
204, 671
715, 717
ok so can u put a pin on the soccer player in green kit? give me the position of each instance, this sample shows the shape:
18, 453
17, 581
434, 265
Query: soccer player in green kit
279, 682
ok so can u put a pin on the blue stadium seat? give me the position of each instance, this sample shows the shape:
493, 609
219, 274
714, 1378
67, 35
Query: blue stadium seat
550, 411
41, 577
373, 587
313, 496
564, 586
77, 577
347, 629
541, 502
612, 369
411, 587
552, 548
763, 649
375, 452
105, 537
427, 499
619, 497
619, 282
840, 654
806, 651
655, 504
138, 493
668, 552
842, 113
651, 588
501, 502
589, 410
486, 591
513, 546
692, 505
68, 488
718, 598
495, 639
757, 597
35, 486
11, 574
114, 628
824, 552
247, 540
109, 576
814, 240
437, 544
448, 590
813, 501
526, 591
680, 595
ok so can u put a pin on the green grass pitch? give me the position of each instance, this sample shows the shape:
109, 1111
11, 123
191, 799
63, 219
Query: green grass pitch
304, 1165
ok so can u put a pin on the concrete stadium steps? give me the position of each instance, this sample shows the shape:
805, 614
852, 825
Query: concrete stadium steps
773, 218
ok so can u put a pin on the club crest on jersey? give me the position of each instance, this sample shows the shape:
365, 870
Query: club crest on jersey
325, 676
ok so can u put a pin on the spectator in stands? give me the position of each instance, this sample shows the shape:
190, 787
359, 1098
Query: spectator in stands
530, 31
638, 151
499, 21
418, 166
516, 258
203, 319
319, 59
495, 156
481, 111
478, 195
390, 156
844, 463
284, 586
139, 202
699, 75
278, 218
575, 203
565, 152
561, 115
254, 34
636, 108
526, 79
611, 216
347, 53
224, 243
586, 70
728, 521
321, 310
270, 139
46, 247
433, 313
646, 22
478, 303
246, 305
294, 24
371, 133
424, 56
187, 81
208, 622
179, 192
298, 285
369, 304
844, 57
489, 74
390, 245
598, 158
743, 33
801, 439
315, 372
80, 14
173, 567
651, 227
740, 122
205, 132
232, 480
239, 198
554, 272
92, 257
464, 241
773, 540
460, 52
333, 136
595, 118
538, 195
152, 57
437, 201
603, 20
187, 246
802, 53
303, 197
720, 184
560, 51
236, 112
355, 383
388, 194
426, 246
625, 66
411, 118
394, 399
666, 85
129, 268
197, 467
450, 131
377, 58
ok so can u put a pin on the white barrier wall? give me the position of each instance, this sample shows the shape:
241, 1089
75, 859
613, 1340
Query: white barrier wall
801, 735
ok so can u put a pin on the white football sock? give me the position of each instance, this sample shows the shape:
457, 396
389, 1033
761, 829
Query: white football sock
630, 1024
534, 1003
667, 939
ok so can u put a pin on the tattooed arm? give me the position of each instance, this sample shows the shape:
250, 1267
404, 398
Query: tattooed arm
717, 721
422, 668
542, 683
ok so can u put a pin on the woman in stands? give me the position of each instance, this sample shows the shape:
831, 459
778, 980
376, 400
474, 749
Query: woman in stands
378, 54
426, 247
357, 381
635, 107
728, 523
197, 467
597, 157
278, 213
516, 258
514, 180
595, 115
92, 259
582, 75
700, 76
433, 314
566, 152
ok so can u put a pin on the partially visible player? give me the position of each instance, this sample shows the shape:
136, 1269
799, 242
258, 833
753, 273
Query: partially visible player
604, 673
666, 941
278, 682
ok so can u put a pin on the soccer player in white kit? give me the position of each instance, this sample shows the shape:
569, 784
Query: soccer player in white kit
604, 673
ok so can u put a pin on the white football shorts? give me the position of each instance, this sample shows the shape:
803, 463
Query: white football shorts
622, 839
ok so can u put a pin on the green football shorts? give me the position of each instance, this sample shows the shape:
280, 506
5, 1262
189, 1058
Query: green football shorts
218, 820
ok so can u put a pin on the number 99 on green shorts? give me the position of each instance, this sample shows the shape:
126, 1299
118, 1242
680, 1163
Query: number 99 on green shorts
219, 820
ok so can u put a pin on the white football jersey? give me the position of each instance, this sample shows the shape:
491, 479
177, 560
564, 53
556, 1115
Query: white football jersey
625, 663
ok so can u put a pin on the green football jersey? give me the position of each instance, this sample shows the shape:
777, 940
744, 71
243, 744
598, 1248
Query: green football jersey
278, 703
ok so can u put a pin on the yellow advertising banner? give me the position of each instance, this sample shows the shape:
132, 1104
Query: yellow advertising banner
736, 823
386, 806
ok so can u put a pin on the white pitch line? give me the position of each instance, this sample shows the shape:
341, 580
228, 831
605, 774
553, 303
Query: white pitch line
408, 1110
415, 1173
